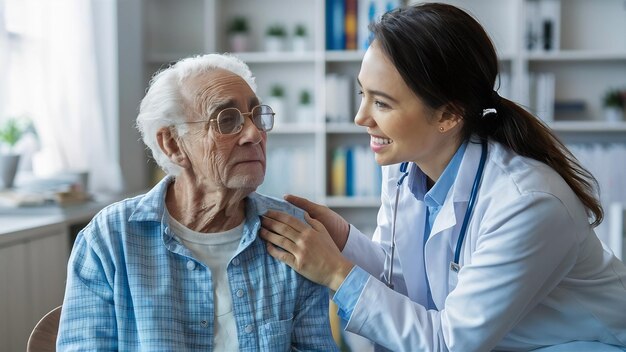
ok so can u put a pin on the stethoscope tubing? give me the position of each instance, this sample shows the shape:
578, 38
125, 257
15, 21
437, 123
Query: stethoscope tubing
403, 169
471, 203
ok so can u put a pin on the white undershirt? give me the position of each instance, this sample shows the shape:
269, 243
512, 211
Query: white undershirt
215, 250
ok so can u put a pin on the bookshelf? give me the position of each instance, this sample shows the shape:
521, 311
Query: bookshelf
588, 57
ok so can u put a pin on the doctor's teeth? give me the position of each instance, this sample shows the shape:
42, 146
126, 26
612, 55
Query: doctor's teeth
379, 140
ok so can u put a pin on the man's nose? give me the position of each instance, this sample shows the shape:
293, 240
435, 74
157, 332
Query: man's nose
249, 132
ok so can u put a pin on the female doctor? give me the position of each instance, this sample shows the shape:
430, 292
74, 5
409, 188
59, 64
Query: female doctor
492, 217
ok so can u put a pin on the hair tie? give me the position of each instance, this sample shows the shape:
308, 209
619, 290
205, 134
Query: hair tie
489, 111
495, 101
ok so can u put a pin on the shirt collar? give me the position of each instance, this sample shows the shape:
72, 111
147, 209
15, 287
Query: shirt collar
152, 208
437, 194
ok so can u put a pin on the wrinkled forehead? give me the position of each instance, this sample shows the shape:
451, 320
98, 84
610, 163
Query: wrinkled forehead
216, 89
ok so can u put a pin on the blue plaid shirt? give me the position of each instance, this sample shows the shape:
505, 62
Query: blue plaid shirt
132, 286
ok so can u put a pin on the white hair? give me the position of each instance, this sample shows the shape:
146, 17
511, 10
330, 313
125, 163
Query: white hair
163, 104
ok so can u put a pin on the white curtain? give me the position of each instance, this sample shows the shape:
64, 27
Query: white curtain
4, 62
62, 81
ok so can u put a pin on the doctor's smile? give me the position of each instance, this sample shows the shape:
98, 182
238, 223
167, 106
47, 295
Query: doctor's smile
379, 143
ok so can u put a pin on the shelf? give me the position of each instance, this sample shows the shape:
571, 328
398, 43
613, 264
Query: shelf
161, 58
344, 55
345, 128
508, 56
588, 126
277, 57
249, 57
576, 55
357, 56
352, 202
293, 128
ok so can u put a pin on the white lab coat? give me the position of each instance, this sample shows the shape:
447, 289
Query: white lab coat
533, 272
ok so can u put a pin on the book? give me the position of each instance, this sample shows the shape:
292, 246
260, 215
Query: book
351, 24
542, 86
335, 24
366, 13
338, 172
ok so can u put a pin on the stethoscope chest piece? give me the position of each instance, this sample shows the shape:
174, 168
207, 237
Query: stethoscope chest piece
453, 275
455, 267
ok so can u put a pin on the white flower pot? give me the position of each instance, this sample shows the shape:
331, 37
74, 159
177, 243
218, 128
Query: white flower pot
305, 114
8, 169
613, 114
299, 44
238, 42
274, 44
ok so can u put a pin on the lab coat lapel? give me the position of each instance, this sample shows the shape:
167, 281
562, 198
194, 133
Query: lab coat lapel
440, 246
408, 243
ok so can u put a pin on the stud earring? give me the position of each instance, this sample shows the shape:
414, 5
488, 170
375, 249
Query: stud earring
441, 129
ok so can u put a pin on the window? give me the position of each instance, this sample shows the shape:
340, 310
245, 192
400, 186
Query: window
51, 74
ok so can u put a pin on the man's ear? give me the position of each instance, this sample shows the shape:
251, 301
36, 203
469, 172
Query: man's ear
449, 116
170, 145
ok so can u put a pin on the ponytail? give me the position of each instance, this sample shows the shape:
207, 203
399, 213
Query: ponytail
514, 128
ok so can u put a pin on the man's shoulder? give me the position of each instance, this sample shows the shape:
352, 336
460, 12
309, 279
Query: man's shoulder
120, 209
116, 217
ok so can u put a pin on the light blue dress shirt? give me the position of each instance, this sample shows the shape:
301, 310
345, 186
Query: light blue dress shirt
133, 286
348, 293
434, 199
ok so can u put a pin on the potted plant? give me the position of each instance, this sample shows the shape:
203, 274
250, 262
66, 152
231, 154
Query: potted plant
276, 101
614, 101
275, 38
300, 39
238, 34
10, 133
305, 112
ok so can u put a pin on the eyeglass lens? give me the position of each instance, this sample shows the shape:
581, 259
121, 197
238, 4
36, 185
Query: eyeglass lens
231, 120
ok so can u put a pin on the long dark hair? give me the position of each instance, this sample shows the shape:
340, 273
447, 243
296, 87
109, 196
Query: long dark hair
446, 57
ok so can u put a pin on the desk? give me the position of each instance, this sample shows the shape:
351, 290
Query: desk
34, 248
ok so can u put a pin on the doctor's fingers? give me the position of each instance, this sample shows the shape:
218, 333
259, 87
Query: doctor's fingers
287, 245
281, 222
315, 224
281, 255
305, 204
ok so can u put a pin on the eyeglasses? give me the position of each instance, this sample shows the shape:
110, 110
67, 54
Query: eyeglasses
231, 120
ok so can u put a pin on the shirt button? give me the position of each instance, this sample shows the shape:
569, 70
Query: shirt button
236, 261
239, 293
204, 323
248, 329
191, 265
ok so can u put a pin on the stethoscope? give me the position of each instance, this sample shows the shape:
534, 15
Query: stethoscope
470, 206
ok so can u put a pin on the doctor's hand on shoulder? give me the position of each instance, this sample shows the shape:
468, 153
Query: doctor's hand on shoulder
309, 248
337, 227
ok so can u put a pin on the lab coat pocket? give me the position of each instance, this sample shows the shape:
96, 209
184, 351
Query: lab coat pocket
276, 335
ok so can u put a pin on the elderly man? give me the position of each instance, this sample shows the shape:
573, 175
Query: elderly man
181, 267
